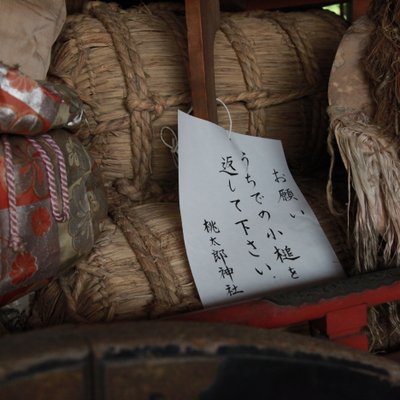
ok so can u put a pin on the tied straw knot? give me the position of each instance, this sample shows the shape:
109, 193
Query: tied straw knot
154, 104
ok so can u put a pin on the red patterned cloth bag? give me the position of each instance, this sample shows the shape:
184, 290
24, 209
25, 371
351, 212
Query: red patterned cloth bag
51, 194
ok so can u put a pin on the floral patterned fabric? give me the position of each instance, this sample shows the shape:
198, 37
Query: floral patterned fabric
29, 107
49, 247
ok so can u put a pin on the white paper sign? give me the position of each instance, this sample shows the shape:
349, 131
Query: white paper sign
248, 229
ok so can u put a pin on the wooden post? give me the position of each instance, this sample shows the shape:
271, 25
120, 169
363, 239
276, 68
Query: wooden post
75, 6
202, 19
359, 8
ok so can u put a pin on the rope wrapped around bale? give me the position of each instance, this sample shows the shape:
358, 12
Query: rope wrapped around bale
271, 70
139, 267
130, 68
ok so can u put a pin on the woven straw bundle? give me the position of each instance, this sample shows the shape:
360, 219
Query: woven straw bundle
139, 267
130, 69
370, 153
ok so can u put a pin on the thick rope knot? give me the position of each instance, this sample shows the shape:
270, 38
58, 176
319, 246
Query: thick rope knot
159, 105
256, 99
153, 104
135, 192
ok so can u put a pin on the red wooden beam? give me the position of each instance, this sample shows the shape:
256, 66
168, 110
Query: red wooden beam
267, 314
341, 314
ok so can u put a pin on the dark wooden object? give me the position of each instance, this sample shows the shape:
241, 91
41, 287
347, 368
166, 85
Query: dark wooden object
75, 6
339, 308
180, 361
202, 20
359, 7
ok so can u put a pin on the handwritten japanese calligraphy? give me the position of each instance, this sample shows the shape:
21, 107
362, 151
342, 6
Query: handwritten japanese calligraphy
248, 229
221, 258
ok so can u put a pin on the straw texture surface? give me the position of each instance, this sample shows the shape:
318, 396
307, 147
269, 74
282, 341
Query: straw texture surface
130, 69
370, 155
139, 267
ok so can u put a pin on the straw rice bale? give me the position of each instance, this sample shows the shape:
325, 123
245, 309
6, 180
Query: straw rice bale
139, 267
362, 101
130, 69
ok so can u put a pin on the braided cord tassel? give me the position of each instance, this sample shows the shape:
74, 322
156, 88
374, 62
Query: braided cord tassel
63, 174
15, 239
51, 180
